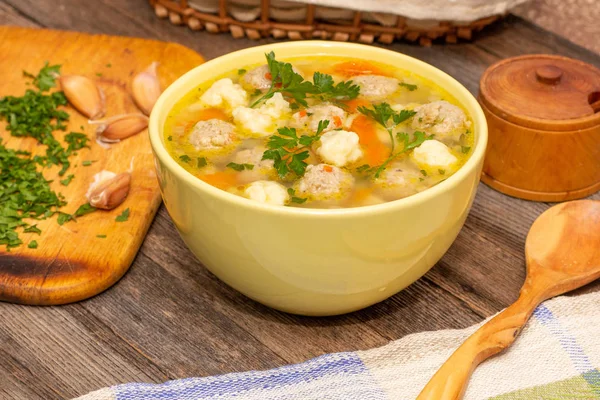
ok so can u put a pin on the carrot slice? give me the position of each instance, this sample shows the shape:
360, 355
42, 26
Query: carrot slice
327, 168
302, 113
222, 180
376, 152
203, 115
210, 113
360, 195
358, 67
355, 103
337, 121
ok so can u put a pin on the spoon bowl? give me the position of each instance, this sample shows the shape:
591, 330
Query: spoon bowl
566, 239
563, 253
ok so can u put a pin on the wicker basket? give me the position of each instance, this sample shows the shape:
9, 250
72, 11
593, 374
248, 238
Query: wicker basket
363, 27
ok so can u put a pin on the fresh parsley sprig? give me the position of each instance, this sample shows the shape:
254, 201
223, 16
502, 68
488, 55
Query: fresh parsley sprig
404, 138
288, 151
286, 81
382, 113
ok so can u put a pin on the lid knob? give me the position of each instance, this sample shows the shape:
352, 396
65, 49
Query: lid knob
548, 74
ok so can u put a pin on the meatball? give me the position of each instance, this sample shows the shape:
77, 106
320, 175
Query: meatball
376, 86
252, 156
400, 179
225, 91
433, 153
212, 134
268, 192
324, 181
339, 147
259, 77
444, 120
312, 115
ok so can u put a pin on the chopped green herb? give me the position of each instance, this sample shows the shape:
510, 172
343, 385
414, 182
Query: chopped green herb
32, 229
84, 209
101, 236
87, 163
294, 198
257, 92
363, 168
185, 158
239, 167
124, 216
442, 171
288, 151
423, 172
467, 132
37, 115
170, 138
33, 244
24, 193
108, 65
241, 71
465, 149
201, 162
421, 179
67, 180
64, 217
408, 86
46, 78
99, 74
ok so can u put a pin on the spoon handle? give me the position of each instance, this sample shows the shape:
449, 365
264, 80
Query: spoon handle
450, 381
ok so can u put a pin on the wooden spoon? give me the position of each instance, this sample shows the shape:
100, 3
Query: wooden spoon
563, 253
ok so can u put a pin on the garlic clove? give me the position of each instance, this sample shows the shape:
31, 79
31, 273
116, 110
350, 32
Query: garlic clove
108, 189
119, 127
84, 95
146, 88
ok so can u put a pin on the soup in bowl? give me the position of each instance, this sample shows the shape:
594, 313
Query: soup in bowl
315, 182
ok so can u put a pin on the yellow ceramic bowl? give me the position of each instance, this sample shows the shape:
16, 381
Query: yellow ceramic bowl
315, 261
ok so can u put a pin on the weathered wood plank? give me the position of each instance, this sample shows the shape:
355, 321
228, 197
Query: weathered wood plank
171, 318
10, 16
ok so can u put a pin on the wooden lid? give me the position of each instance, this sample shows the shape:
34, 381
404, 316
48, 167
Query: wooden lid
543, 91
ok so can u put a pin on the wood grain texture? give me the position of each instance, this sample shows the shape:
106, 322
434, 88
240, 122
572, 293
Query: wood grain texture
170, 318
563, 254
71, 263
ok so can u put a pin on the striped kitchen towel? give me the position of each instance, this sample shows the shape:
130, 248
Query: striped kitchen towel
557, 357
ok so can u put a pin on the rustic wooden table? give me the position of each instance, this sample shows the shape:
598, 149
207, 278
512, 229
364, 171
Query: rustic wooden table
170, 318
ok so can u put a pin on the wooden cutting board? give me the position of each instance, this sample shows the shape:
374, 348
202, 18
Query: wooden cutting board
71, 262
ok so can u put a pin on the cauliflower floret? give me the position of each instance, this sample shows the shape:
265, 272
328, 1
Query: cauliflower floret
268, 192
212, 134
339, 148
441, 118
324, 181
225, 91
259, 77
262, 120
376, 86
312, 115
434, 153
254, 120
276, 106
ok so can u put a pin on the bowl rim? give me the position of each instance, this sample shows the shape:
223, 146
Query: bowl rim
182, 86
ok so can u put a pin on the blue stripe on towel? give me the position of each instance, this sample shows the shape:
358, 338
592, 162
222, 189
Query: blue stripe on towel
345, 373
580, 360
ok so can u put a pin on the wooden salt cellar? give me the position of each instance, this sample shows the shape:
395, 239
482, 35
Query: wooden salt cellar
543, 113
